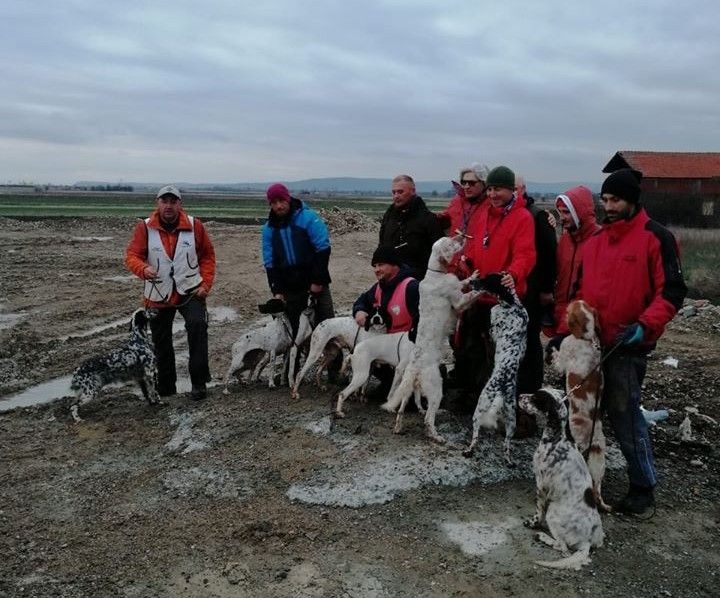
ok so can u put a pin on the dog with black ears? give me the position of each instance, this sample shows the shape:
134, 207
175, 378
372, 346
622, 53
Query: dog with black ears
508, 328
134, 360
565, 503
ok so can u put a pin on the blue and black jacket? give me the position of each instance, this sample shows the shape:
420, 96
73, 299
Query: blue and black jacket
296, 249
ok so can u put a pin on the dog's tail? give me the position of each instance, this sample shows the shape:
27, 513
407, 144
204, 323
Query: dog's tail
404, 389
574, 561
345, 364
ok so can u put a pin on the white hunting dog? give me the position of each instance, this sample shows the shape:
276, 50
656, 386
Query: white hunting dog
565, 504
260, 346
345, 331
393, 349
579, 358
441, 300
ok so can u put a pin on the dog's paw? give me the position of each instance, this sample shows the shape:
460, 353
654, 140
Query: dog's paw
386, 406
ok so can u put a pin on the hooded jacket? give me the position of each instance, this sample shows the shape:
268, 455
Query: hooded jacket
411, 230
570, 246
295, 249
630, 272
136, 254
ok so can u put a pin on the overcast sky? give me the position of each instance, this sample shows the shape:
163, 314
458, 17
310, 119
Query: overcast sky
229, 91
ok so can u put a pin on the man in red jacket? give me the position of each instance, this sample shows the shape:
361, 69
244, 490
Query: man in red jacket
630, 273
173, 254
501, 239
577, 216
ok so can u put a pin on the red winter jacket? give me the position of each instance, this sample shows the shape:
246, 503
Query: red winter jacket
510, 245
460, 213
631, 273
570, 246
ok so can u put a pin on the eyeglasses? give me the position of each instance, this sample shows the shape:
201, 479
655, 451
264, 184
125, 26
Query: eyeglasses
469, 182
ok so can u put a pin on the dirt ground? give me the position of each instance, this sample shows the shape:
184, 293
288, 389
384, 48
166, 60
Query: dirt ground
252, 494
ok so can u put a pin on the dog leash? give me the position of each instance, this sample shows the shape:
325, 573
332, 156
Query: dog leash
398, 346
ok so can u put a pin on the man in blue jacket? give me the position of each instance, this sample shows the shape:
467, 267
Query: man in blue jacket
296, 252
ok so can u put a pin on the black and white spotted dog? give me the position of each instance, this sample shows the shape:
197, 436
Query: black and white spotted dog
565, 504
508, 328
135, 360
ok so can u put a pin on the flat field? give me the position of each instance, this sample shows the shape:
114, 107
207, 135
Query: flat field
253, 494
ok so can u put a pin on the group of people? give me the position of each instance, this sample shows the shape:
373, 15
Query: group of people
627, 268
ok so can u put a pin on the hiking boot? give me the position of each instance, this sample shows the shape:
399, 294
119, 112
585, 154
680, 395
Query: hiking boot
198, 392
637, 501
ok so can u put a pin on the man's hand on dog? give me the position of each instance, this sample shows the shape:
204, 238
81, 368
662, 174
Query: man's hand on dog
361, 318
507, 280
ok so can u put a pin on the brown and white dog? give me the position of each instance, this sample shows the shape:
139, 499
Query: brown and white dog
579, 359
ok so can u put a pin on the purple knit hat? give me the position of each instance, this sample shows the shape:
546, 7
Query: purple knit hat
277, 191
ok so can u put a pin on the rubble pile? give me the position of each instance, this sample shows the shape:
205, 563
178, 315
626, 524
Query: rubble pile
697, 315
341, 221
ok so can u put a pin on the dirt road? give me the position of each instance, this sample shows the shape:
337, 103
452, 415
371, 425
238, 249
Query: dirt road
252, 494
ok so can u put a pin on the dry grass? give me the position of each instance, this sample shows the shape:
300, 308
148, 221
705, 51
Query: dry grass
700, 254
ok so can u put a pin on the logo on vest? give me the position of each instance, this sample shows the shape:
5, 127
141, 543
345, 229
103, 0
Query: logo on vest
395, 309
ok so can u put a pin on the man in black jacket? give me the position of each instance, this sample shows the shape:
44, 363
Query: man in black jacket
409, 227
539, 296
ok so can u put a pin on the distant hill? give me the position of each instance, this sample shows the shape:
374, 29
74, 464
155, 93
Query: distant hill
370, 186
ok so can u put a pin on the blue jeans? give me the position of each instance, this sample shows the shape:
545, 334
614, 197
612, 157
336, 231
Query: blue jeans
624, 372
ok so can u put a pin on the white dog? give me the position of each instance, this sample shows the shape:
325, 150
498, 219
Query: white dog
508, 328
393, 349
344, 330
268, 341
441, 300
565, 499
579, 358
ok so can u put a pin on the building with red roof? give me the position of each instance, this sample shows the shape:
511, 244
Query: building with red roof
680, 188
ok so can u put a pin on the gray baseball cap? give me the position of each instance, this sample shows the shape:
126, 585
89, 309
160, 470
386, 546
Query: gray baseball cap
171, 189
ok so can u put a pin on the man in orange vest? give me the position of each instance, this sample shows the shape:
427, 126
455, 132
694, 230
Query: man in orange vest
173, 254
396, 296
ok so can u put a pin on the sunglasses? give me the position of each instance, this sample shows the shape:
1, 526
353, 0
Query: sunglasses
469, 183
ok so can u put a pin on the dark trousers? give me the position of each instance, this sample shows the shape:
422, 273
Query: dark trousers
297, 301
473, 351
530, 373
624, 373
194, 312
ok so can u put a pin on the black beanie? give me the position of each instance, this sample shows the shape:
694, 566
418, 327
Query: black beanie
386, 255
624, 183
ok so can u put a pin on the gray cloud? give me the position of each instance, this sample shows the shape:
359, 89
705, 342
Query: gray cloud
219, 91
